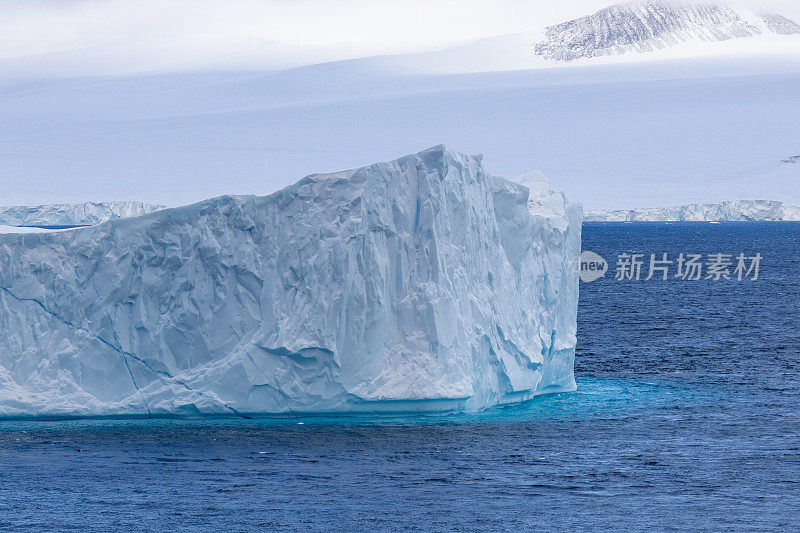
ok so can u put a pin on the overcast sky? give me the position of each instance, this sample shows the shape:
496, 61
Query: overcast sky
117, 36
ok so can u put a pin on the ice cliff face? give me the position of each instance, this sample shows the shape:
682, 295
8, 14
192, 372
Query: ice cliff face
791, 213
644, 26
739, 210
421, 284
69, 215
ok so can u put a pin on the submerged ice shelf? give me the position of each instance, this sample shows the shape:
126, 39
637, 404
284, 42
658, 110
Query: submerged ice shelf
421, 284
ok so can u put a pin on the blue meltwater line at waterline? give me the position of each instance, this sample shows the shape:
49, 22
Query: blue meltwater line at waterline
685, 418
595, 397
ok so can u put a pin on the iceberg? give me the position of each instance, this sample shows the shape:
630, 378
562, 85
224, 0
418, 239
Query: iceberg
731, 211
418, 285
71, 215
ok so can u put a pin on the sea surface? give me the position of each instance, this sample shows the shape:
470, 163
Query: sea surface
687, 417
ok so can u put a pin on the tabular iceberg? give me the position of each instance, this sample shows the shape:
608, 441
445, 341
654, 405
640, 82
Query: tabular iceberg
732, 211
422, 284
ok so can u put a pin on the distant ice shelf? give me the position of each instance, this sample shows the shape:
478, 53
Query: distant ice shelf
738, 210
71, 215
417, 285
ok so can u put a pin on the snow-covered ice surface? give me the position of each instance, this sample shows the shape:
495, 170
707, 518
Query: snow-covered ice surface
421, 284
616, 136
667, 127
732, 211
64, 215
23, 229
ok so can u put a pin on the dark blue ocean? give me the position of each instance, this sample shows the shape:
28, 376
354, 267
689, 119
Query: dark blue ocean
687, 417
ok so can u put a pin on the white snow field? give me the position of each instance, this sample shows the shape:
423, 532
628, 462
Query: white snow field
23, 229
616, 136
732, 211
421, 284
706, 120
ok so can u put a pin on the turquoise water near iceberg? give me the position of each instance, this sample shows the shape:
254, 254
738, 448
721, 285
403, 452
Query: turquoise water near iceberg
687, 417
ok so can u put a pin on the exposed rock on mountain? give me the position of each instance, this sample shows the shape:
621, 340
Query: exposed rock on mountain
644, 26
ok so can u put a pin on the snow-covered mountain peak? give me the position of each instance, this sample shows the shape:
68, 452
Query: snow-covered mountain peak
649, 25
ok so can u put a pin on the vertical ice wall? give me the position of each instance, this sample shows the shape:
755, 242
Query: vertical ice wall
421, 284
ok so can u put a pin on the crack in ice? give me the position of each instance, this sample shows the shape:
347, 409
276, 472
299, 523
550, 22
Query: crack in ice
161, 373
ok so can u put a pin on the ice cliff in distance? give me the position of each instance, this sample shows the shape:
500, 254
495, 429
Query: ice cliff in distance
733, 211
647, 25
68, 215
421, 284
